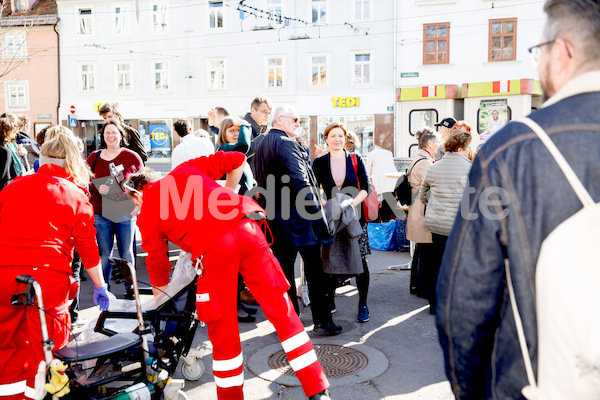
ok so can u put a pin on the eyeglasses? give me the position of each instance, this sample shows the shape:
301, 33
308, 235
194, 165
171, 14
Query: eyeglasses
129, 187
266, 112
295, 119
535, 52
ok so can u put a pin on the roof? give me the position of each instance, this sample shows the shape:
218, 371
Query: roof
41, 12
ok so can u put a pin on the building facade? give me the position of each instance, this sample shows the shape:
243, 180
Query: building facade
29, 61
167, 60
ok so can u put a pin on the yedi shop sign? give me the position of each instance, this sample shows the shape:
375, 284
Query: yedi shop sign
346, 101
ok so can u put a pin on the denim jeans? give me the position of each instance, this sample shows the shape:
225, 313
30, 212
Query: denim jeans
105, 233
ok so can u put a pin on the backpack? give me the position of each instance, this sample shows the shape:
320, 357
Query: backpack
567, 304
403, 191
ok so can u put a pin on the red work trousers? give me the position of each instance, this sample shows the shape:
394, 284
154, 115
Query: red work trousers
245, 250
21, 347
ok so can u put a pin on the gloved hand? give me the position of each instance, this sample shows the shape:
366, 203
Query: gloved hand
101, 297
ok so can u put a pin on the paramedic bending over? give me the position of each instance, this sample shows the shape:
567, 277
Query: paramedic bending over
40, 243
228, 240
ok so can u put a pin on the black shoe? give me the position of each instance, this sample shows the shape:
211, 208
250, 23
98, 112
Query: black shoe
249, 310
247, 318
432, 309
324, 395
333, 309
129, 295
413, 290
328, 329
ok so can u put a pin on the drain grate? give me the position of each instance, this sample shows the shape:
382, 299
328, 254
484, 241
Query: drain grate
337, 361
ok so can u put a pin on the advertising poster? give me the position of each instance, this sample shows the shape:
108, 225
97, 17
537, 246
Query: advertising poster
160, 138
493, 115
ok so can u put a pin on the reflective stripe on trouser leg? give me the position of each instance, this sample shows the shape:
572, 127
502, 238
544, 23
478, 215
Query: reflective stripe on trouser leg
266, 281
229, 377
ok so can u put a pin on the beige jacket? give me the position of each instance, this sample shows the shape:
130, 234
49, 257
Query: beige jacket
416, 212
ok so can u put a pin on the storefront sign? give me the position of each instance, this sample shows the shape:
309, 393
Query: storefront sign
160, 137
346, 101
409, 74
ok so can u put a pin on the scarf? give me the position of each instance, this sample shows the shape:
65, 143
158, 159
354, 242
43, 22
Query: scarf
18, 166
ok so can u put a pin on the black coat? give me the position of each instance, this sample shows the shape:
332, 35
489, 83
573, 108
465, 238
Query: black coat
282, 169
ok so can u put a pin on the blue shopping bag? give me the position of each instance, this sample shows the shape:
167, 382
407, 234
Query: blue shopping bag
382, 236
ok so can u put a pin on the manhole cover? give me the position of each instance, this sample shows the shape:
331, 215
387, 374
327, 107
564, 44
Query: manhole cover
336, 361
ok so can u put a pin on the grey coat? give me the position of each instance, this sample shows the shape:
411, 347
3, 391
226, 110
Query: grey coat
342, 257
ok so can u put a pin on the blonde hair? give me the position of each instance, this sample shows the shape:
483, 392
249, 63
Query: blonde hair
227, 123
8, 126
352, 141
61, 144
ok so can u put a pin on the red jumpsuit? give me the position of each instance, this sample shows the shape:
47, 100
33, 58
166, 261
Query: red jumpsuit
229, 245
42, 216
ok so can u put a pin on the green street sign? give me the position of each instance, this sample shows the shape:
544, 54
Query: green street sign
44, 116
409, 74
390, 108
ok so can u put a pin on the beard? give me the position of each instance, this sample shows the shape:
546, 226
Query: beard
548, 89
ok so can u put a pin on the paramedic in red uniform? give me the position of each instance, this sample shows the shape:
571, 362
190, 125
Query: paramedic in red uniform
218, 227
40, 243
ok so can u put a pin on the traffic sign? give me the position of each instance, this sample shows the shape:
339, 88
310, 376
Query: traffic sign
72, 122
72, 109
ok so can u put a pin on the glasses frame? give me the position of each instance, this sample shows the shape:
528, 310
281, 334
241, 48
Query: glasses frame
127, 186
536, 51
295, 119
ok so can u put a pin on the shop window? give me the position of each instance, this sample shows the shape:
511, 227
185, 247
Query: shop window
362, 125
436, 43
417, 119
157, 138
503, 39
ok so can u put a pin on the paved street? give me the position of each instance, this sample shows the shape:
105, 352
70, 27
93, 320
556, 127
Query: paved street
400, 343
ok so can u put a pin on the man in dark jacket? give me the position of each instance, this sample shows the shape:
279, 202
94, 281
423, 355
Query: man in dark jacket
260, 109
33, 150
294, 210
529, 197
109, 112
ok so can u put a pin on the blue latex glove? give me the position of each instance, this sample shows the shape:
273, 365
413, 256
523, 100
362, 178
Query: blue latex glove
101, 297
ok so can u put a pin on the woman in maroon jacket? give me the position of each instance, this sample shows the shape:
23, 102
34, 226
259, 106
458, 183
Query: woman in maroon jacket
40, 244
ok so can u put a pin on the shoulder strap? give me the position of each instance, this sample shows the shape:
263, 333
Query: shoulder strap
574, 181
519, 326
416, 162
355, 165
96, 159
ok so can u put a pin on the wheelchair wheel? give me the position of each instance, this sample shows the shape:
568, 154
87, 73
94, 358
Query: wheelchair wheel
193, 372
181, 395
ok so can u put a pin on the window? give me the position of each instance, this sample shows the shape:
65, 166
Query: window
86, 24
161, 76
121, 19
157, 138
217, 75
15, 46
275, 72
159, 17
123, 72
319, 66
436, 38
362, 9
420, 118
20, 5
87, 73
319, 11
503, 39
275, 11
17, 95
362, 125
362, 68
215, 14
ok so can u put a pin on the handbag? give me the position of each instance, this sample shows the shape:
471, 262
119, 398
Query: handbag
371, 203
403, 190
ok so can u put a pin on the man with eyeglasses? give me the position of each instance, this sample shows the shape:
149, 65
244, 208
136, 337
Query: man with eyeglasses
282, 169
492, 244
258, 117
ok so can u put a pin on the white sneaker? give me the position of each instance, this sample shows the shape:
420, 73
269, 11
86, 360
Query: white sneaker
79, 323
